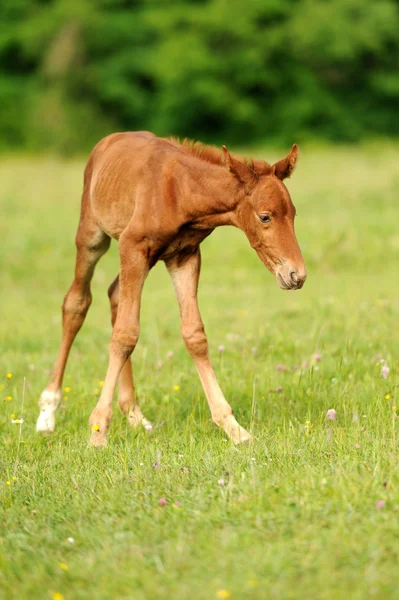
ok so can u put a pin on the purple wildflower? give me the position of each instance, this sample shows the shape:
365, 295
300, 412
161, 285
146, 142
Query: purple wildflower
331, 414
385, 371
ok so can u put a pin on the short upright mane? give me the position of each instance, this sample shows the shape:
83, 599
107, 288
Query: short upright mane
199, 150
213, 155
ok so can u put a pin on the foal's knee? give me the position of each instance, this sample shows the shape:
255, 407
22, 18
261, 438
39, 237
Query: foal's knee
195, 339
76, 302
123, 343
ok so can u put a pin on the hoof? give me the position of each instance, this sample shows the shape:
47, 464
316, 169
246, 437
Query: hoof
48, 404
236, 433
148, 426
136, 419
243, 437
98, 440
45, 422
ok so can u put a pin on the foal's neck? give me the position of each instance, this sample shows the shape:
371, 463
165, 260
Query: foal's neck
208, 194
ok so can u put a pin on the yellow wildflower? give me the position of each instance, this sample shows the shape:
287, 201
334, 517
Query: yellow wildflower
223, 594
8, 398
67, 390
101, 383
58, 596
8, 482
9, 375
63, 566
13, 416
96, 428
307, 422
176, 388
14, 478
387, 397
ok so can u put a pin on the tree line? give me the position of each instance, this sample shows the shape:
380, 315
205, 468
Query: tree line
232, 71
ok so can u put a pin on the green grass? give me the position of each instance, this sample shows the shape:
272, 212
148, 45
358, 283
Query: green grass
295, 515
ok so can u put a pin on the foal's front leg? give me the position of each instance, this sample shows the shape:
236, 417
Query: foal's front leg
185, 274
125, 334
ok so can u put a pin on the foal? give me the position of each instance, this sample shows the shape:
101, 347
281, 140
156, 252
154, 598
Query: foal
161, 198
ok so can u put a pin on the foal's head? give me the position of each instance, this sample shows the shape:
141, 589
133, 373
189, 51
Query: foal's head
266, 214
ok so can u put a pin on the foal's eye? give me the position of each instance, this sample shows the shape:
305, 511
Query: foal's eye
264, 218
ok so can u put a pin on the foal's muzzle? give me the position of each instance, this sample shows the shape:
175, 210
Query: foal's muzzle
290, 277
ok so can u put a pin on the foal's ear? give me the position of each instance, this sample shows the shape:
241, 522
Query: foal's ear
243, 172
284, 167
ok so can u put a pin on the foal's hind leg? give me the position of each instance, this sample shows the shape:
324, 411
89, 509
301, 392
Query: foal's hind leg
91, 244
127, 400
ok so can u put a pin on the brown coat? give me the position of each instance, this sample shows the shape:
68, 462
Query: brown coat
160, 198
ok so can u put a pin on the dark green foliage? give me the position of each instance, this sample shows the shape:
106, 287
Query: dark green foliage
232, 70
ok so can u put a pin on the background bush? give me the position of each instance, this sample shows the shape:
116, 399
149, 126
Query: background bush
224, 70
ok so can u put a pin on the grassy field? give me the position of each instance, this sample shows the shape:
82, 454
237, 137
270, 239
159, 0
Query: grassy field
311, 508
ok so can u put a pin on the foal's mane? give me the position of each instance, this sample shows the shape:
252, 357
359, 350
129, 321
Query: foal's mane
209, 154
213, 155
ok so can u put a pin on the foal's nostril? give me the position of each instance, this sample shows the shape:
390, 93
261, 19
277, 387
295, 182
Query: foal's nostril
290, 277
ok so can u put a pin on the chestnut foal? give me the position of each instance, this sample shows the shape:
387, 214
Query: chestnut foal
161, 198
